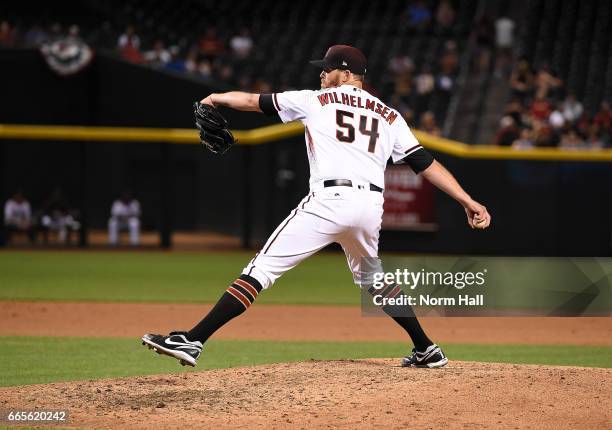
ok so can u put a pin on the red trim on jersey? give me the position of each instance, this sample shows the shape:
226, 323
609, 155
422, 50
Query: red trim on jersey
412, 149
310, 142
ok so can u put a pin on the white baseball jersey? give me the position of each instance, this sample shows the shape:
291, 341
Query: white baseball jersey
124, 210
16, 213
349, 135
124, 216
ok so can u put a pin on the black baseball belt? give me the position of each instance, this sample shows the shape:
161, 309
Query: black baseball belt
348, 183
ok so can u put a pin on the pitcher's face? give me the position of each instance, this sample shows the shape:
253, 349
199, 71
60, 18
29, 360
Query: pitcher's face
331, 78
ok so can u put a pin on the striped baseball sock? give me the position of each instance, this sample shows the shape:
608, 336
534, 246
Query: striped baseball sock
404, 316
236, 299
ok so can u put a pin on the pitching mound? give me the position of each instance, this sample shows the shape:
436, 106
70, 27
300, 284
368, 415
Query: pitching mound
336, 394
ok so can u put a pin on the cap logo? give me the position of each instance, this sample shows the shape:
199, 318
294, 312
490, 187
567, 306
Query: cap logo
344, 63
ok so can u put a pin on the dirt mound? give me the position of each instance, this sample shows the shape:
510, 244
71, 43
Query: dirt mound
336, 394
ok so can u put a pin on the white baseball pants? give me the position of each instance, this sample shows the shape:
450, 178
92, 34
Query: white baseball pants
115, 225
349, 216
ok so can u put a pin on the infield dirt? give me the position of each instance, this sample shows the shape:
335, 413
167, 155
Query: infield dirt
374, 393
273, 322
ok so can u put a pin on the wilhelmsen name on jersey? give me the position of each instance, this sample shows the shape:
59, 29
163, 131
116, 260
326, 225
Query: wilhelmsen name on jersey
356, 101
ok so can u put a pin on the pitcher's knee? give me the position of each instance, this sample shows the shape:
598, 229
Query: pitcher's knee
265, 278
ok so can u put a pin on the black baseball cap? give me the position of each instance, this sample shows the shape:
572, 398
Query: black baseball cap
343, 57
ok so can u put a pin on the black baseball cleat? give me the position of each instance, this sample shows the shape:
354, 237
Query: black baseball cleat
175, 345
431, 358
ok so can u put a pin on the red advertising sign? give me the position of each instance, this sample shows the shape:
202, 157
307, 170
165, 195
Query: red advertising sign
409, 201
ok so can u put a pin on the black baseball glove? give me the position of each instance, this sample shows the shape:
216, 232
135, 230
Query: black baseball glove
214, 134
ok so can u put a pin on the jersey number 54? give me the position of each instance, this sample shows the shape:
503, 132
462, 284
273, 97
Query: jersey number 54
348, 134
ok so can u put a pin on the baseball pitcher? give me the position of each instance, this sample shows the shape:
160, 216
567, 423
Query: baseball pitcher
350, 135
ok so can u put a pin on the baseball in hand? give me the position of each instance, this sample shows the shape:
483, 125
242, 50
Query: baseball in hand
479, 222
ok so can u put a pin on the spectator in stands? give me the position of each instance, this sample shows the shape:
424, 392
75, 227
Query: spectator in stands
507, 133
400, 64
125, 215
544, 136
424, 84
571, 140
445, 83
204, 68
211, 46
35, 36
516, 110
504, 42
556, 118
521, 81
603, 118
419, 16
525, 140
450, 59
540, 108
445, 17
176, 63
8, 34
582, 124
129, 45
18, 216
428, 124
445, 80
403, 87
504, 33
572, 108
191, 60
548, 83
158, 56
594, 139
57, 217
242, 44
129, 37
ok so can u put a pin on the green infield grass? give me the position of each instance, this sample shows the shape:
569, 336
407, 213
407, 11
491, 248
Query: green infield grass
323, 279
30, 360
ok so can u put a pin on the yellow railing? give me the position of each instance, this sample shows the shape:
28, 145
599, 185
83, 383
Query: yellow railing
134, 134
463, 150
280, 131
